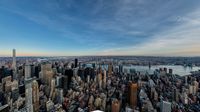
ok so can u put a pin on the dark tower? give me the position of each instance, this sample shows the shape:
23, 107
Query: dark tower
149, 65
69, 75
76, 63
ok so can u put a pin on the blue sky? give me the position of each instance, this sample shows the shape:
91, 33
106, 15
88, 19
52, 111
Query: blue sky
100, 27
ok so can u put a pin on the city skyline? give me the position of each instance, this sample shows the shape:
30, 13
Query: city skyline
102, 27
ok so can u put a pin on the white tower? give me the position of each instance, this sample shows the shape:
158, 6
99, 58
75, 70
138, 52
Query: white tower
14, 64
53, 83
14, 59
27, 71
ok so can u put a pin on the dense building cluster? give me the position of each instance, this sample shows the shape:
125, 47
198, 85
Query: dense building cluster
73, 86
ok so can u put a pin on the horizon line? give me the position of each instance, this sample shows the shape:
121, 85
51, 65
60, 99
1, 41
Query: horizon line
101, 56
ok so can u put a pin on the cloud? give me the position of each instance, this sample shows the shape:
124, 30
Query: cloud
182, 40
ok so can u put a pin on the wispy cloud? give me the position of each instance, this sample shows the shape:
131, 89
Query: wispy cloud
182, 40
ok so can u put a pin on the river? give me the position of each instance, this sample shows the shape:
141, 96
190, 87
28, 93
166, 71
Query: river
177, 69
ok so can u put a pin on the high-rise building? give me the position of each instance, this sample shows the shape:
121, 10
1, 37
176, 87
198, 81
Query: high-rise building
32, 71
15, 90
88, 79
28, 99
36, 73
59, 79
93, 65
53, 84
175, 94
170, 71
165, 106
192, 89
69, 74
186, 80
165, 69
27, 71
184, 97
115, 106
14, 59
100, 80
76, 63
46, 73
22, 90
81, 73
110, 69
65, 84
1, 72
104, 79
8, 85
116, 69
5, 80
120, 69
35, 94
133, 95
14, 67
59, 94
149, 65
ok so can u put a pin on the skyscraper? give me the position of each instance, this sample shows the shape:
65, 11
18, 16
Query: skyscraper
32, 70
28, 99
35, 92
133, 95
14, 59
59, 93
14, 65
46, 73
52, 92
115, 105
175, 94
14, 91
104, 79
110, 69
99, 77
120, 69
170, 71
69, 74
76, 63
165, 69
27, 71
65, 84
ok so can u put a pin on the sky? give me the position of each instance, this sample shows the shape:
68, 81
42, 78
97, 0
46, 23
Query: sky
100, 27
